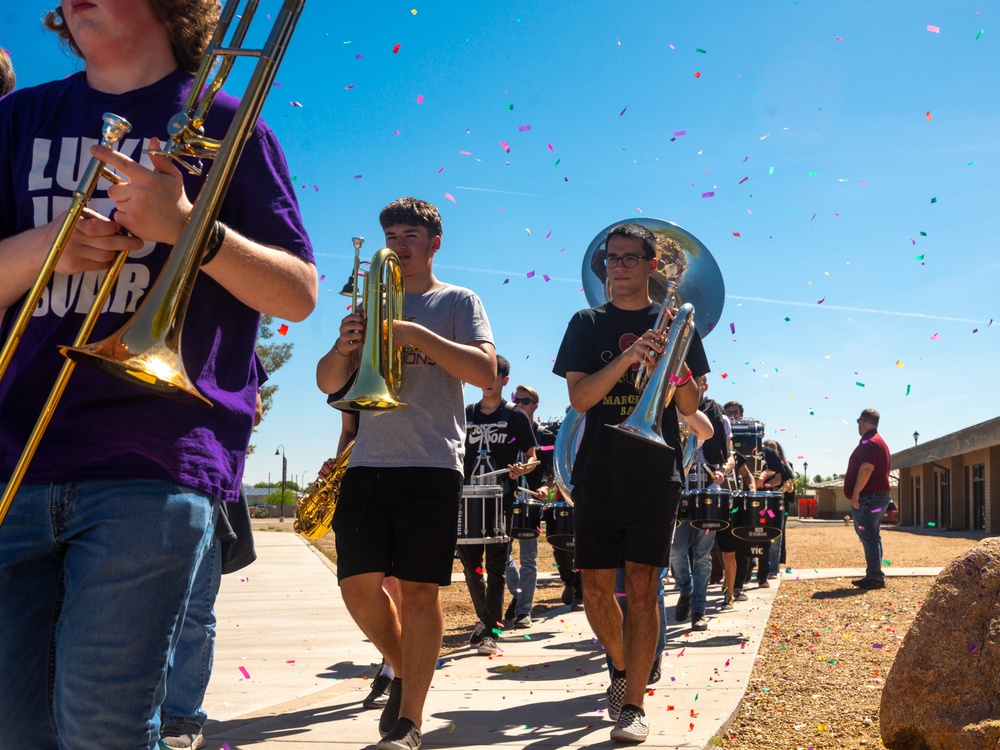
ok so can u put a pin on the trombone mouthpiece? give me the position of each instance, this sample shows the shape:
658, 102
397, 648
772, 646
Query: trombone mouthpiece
358, 242
113, 129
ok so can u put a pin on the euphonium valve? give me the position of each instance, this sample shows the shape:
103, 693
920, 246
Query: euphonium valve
317, 506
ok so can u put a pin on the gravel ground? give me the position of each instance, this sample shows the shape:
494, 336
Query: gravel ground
817, 681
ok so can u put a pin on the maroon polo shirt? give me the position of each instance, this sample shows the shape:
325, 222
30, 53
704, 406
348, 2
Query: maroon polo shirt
871, 450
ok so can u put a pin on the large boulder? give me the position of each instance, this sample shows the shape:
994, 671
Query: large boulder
943, 691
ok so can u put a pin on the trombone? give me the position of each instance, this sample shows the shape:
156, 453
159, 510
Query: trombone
146, 351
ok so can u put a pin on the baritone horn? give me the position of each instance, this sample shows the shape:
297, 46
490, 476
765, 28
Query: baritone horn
146, 351
380, 367
316, 508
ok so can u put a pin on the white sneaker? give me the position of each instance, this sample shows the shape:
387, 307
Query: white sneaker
488, 646
632, 725
616, 697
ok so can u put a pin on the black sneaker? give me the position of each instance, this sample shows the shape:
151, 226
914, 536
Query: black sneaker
577, 605
390, 714
765, 584
727, 602
698, 621
404, 736
616, 694
379, 694
655, 673
182, 734
522, 622
683, 608
567, 594
477, 635
740, 596
871, 583
631, 726
488, 646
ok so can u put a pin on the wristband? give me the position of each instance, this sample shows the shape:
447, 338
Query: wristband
218, 236
679, 383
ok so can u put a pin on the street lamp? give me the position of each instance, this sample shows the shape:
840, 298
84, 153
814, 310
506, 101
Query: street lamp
805, 470
280, 450
916, 435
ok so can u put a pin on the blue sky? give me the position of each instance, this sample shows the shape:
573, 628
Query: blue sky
865, 138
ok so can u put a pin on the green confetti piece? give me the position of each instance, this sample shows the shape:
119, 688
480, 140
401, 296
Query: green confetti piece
931, 524
859, 384
788, 320
907, 390
923, 234
557, 162
886, 563
509, 106
831, 661
933, 200
919, 257
979, 35
813, 174
699, 49
770, 170
696, 696
971, 164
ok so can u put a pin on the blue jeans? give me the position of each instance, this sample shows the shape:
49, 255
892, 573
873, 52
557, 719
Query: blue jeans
661, 642
191, 666
94, 577
867, 525
696, 585
521, 583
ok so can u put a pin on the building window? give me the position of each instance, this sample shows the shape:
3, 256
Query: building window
979, 497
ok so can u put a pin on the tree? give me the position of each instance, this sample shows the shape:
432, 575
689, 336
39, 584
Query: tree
273, 355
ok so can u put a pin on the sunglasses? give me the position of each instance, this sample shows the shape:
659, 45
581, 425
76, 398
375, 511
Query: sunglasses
524, 401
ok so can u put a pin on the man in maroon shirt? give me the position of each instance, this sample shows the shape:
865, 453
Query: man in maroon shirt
866, 484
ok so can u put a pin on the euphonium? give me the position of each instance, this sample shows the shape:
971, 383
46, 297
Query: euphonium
380, 368
317, 506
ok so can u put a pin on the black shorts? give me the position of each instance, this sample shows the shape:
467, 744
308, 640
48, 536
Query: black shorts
615, 524
398, 521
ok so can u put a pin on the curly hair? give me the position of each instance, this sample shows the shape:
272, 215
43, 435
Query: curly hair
413, 213
189, 25
7, 78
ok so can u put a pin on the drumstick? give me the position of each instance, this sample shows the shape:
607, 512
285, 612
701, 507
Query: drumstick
507, 471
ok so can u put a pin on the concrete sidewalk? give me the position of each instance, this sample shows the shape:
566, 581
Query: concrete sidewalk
292, 668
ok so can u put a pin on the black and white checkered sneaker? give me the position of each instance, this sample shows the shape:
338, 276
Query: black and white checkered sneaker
616, 694
632, 725
404, 736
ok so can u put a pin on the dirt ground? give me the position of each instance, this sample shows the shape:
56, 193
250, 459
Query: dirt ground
817, 681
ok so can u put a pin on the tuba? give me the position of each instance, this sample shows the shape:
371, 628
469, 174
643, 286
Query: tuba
687, 273
146, 351
315, 509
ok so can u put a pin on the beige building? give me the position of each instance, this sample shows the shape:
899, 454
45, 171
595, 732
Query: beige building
831, 502
952, 482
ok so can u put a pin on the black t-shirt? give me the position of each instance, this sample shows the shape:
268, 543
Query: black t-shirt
773, 462
494, 440
715, 448
594, 338
545, 440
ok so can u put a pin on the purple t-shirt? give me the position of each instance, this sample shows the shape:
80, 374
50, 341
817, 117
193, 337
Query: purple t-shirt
104, 428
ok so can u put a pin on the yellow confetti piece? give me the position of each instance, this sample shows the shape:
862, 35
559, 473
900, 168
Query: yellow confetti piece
899, 364
451, 729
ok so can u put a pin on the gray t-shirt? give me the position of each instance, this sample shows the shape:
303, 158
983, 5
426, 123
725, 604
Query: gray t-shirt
431, 432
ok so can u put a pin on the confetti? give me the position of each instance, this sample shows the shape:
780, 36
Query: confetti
928, 116
744, 180
736, 234
296, 104
504, 146
899, 364
623, 111
679, 133
283, 329
420, 98
935, 337
246, 674
697, 74
523, 128
450, 197
859, 384
934, 29
395, 49
709, 194
821, 301
933, 200
979, 34
907, 390
530, 274
732, 328
414, 12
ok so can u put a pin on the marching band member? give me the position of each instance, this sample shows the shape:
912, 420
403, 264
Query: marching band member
626, 491
397, 506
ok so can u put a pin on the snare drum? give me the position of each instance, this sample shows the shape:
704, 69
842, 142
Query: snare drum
480, 515
759, 517
526, 519
559, 526
710, 509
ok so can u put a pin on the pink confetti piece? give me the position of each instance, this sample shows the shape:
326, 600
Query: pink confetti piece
395, 49
744, 180
465, 153
523, 128
440, 170
934, 29
504, 146
348, 87
323, 276
550, 148
679, 133
531, 274
506, 281
935, 337
450, 197
420, 98
359, 57
546, 277
243, 671
709, 194
357, 177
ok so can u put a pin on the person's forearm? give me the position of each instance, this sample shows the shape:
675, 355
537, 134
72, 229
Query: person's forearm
267, 279
687, 397
334, 370
587, 391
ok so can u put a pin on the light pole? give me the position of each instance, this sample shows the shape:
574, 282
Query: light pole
805, 470
280, 450
916, 436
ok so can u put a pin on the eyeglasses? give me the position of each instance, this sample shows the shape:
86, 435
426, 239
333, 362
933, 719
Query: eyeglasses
524, 401
629, 261
731, 413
